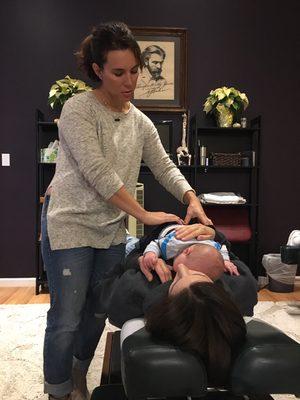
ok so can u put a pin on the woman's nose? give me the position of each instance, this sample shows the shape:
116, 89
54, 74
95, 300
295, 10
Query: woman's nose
128, 80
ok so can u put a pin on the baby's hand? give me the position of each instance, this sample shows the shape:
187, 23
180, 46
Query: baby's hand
150, 259
231, 268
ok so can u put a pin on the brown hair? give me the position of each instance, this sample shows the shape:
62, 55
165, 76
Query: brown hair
104, 38
201, 319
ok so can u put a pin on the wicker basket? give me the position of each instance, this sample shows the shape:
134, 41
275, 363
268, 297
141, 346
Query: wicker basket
226, 159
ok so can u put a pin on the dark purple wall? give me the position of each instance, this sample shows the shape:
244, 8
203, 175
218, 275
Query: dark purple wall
251, 45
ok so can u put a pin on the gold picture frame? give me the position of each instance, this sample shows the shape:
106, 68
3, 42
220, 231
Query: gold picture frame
162, 82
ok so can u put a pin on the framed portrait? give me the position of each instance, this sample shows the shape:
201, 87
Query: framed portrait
162, 82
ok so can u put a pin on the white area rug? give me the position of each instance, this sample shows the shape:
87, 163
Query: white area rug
21, 346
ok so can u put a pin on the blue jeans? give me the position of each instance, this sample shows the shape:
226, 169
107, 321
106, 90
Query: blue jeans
75, 320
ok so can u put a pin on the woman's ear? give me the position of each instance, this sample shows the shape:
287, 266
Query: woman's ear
97, 70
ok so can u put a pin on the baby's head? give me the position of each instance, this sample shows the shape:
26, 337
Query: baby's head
203, 258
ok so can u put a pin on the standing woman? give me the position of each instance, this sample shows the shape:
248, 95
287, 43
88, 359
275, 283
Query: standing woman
103, 138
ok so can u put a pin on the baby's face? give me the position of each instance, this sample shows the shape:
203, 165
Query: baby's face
184, 258
185, 277
201, 258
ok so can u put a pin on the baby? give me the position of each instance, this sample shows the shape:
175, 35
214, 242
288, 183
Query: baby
206, 256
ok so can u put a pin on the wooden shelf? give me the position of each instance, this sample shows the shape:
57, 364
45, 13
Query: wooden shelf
221, 131
226, 205
213, 168
237, 221
46, 131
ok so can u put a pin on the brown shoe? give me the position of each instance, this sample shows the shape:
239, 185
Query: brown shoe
80, 391
79, 395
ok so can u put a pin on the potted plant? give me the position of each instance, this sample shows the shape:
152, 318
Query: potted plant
227, 104
65, 88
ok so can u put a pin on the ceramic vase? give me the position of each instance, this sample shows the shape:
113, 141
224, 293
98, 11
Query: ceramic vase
224, 117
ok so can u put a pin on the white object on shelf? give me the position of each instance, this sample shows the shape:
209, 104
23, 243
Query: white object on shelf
49, 154
294, 238
221, 198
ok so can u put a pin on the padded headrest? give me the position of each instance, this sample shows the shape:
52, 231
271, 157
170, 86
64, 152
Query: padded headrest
269, 362
156, 369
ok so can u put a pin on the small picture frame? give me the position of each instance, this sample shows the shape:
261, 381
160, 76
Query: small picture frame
162, 82
165, 132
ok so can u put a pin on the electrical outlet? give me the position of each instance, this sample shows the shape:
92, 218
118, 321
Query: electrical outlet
5, 159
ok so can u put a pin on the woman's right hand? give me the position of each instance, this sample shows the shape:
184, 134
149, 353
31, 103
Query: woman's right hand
195, 231
159, 217
161, 268
124, 201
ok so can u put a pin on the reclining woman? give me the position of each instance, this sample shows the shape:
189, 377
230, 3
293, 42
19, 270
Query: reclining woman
191, 311
129, 290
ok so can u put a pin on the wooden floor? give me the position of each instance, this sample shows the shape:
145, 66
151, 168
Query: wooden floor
21, 295
267, 295
26, 295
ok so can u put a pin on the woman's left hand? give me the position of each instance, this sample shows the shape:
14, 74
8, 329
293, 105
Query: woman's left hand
195, 209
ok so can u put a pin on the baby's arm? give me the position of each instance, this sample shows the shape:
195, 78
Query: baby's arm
229, 266
224, 253
151, 254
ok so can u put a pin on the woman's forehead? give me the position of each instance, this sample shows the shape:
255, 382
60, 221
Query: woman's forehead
120, 59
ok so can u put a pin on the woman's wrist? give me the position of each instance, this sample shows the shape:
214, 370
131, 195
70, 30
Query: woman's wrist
142, 215
189, 197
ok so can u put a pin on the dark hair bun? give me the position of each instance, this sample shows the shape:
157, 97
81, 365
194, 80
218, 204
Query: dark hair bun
104, 38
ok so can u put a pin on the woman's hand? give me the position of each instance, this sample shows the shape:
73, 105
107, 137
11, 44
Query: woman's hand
159, 217
124, 201
195, 209
195, 231
161, 268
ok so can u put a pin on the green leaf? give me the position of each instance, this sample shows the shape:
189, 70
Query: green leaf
65, 88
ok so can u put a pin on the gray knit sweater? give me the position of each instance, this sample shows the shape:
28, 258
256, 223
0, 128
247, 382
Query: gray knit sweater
97, 156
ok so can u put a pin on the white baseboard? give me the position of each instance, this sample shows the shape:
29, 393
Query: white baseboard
17, 282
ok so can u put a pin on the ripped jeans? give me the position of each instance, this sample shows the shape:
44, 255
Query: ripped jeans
75, 320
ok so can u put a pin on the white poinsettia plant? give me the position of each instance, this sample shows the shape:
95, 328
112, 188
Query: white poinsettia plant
225, 97
65, 88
